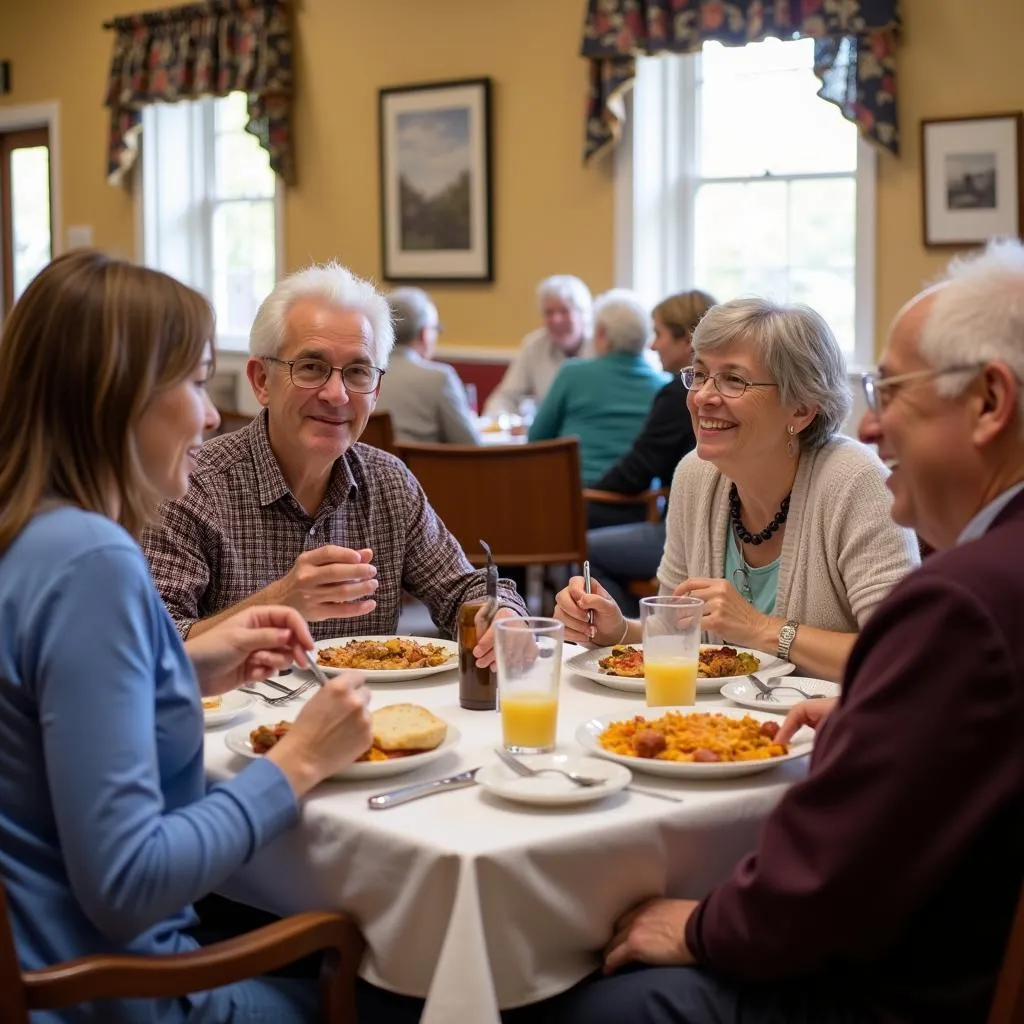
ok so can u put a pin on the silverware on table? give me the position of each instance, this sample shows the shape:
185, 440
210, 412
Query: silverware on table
767, 693
764, 691
586, 781
284, 698
394, 797
654, 793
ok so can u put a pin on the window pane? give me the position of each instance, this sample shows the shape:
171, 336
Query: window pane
30, 213
242, 168
243, 262
231, 113
823, 223
760, 114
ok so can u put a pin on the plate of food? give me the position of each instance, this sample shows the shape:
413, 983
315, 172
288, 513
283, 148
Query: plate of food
622, 667
221, 709
744, 692
387, 659
687, 743
405, 736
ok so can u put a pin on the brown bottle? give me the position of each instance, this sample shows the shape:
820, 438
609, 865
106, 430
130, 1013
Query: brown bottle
478, 687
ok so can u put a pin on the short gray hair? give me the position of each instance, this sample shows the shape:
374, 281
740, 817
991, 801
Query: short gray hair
331, 283
411, 311
626, 321
569, 289
978, 315
799, 351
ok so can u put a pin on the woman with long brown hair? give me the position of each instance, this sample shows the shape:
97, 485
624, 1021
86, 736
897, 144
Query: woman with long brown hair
108, 833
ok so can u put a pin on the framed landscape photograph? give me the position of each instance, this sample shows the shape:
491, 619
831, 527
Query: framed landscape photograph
435, 160
971, 178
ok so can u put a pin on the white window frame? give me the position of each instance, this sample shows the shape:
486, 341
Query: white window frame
653, 216
182, 175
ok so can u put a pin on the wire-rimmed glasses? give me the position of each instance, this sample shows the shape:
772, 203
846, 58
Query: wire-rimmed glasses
879, 390
726, 383
361, 378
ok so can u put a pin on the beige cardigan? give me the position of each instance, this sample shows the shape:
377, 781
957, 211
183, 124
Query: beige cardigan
841, 554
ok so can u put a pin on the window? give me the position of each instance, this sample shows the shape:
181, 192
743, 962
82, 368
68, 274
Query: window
210, 210
740, 180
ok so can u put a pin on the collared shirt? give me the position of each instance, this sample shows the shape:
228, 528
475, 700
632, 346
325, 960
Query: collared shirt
239, 528
987, 516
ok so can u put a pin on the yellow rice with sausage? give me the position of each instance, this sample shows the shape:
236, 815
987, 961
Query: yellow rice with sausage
693, 736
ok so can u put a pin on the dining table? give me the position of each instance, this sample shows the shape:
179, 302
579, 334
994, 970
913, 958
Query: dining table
478, 904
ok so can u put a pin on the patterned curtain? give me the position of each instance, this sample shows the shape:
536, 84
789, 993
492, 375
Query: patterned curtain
205, 49
853, 54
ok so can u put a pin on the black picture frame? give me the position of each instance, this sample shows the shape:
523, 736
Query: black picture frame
436, 206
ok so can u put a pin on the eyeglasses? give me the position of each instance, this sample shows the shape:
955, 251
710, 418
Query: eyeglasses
360, 378
731, 385
878, 391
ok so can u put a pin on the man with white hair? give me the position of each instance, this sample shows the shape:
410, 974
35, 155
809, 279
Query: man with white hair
426, 400
291, 510
604, 401
565, 305
884, 885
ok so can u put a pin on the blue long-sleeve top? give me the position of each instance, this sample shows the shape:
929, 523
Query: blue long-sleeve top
107, 830
603, 402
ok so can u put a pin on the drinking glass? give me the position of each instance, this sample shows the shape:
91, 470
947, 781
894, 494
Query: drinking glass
671, 631
529, 656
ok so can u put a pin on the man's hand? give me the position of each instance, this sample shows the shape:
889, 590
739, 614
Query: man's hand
484, 650
249, 645
807, 712
652, 933
331, 582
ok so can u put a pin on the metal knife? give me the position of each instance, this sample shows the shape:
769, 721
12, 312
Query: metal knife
394, 797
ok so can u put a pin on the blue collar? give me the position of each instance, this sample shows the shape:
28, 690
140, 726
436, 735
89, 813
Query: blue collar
986, 517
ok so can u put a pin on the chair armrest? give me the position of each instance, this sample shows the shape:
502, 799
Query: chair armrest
223, 963
649, 498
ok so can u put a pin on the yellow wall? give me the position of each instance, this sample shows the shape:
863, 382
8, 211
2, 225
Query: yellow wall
551, 215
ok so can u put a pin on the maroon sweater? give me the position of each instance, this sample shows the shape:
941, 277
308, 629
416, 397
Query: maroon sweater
894, 869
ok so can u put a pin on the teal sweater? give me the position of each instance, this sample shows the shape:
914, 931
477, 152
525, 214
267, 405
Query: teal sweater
603, 402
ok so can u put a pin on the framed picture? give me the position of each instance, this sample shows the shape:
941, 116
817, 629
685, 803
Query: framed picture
435, 161
971, 178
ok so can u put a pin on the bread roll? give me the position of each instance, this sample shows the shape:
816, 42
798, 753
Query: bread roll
407, 727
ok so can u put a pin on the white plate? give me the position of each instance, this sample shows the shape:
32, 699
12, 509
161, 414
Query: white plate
551, 789
586, 664
237, 741
394, 675
799, 746
744, 692
232, 704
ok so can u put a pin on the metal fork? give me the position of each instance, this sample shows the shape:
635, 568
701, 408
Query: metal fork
285, 697
521, 769
767, 693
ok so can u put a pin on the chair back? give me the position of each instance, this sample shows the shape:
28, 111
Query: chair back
1008, 1003
13, 1006
524, 500
379, 432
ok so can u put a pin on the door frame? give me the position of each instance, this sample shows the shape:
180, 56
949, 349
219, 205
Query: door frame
42, 115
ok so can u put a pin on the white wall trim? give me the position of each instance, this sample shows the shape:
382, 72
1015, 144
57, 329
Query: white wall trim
867, 211
43, 115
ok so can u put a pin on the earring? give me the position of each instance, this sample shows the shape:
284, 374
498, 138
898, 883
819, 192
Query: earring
791, 443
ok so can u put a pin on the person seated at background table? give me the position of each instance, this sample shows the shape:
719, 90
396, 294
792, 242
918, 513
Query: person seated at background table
883, 887
603, 401
291, 510
565, 306
775, 520
108, 832
621, 545
426, 400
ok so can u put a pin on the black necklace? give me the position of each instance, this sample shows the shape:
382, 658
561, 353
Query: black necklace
742, 532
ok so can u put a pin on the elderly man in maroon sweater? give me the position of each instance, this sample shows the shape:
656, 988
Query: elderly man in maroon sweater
883, 886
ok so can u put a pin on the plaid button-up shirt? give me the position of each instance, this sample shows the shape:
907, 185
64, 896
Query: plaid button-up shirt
239, 528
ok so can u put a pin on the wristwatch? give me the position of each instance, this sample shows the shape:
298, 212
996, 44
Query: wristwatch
786, 637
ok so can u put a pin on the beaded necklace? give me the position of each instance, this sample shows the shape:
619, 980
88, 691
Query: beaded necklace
761, 536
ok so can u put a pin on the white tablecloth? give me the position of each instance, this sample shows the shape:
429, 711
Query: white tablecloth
475, 903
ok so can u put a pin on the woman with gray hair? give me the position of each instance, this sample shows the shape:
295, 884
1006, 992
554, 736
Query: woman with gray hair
776, 521
604, 401
565, 304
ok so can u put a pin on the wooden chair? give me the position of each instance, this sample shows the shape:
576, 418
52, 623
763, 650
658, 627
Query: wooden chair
151, 977
379, 432
1008, 1003
524, 500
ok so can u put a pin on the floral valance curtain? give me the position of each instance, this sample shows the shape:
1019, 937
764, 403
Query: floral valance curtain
854, 51
205, 49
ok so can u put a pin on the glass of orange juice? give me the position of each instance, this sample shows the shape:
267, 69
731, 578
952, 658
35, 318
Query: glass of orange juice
671, 630
529, 656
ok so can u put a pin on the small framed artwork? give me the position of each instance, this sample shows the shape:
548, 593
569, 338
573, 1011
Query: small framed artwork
971, 178
435, 165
